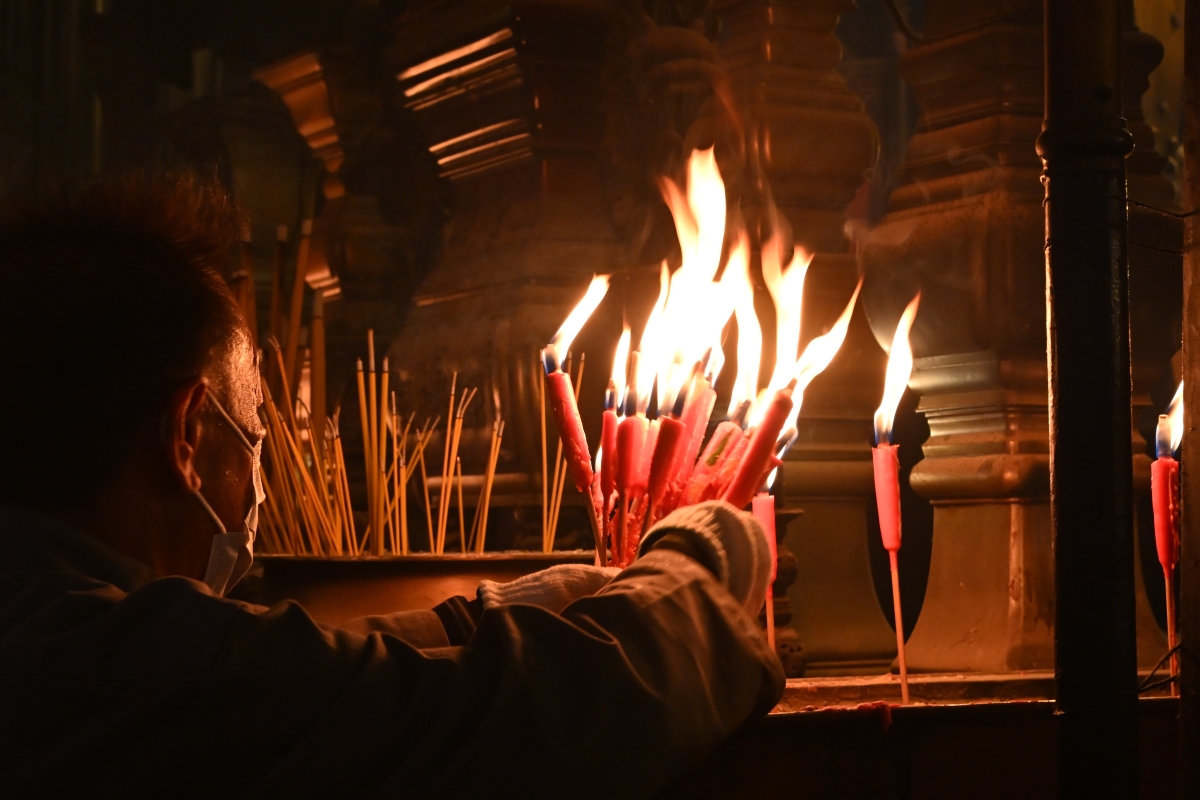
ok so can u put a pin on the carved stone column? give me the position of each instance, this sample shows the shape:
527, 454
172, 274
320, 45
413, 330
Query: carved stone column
967, 227
808, 143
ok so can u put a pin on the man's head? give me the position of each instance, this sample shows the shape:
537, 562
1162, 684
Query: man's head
117, 334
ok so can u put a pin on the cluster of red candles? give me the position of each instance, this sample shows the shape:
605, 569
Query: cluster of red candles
648, 464
649, 467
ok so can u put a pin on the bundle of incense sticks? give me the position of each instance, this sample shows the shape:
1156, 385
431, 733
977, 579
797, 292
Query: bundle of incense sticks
307, 510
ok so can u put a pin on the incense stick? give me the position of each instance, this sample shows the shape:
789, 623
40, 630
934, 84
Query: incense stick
545, 468
292, 342
462, 525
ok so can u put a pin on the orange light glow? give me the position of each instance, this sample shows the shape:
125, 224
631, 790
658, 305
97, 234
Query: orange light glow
570, 328
899, 369
620, 366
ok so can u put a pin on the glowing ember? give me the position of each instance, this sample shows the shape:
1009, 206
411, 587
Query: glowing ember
899, 368
561, 343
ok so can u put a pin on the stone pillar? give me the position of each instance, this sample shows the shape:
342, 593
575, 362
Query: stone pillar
808, 142
966, 227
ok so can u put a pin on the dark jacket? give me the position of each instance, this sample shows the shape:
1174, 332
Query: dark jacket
117, 684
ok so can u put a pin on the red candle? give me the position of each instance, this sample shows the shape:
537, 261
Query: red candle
710, 460
757, 458
608, 466
1164, 494
695, 420
720, 480
642, 478
631, 435
670, 434
570, 428
886, 461
763, 508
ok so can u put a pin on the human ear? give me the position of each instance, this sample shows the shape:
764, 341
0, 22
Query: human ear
182, 434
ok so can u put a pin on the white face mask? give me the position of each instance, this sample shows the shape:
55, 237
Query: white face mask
232, 552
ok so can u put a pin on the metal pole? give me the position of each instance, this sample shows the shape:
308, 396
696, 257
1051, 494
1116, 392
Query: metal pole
1189, 562
1083, 146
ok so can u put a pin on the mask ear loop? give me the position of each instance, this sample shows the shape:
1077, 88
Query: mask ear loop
210, 511
229, 419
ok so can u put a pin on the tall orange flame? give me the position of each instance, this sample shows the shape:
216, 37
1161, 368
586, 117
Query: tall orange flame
735, 283
561, 343
620, 366
817, 356
785, 282
899, 369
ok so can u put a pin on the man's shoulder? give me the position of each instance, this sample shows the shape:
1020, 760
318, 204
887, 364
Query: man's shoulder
59, 623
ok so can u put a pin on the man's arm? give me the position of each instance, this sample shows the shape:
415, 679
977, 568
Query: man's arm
613, 697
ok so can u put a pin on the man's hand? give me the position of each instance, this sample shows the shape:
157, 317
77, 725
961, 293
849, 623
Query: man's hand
552, 589
729, 542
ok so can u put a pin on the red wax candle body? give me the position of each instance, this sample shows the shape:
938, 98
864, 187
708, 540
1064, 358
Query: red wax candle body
886, 460
763, 508
631, 435
570, 429
642, 479
710, 460
608, 466
1164, 495
732, 457
670, 434
695, 420
756, 460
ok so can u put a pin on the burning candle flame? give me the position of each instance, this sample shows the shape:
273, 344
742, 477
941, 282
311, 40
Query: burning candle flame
816, 357
1170, 426
736, 283
899, 369
786, 440
694, 308
652, 343
786, 285
556, 351
619, 369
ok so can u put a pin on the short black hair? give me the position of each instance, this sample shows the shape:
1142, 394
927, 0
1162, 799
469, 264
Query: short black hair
110, 299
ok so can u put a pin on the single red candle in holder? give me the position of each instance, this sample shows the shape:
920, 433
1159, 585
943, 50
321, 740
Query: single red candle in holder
763, 508
1164, 496
561, 396
885, 458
